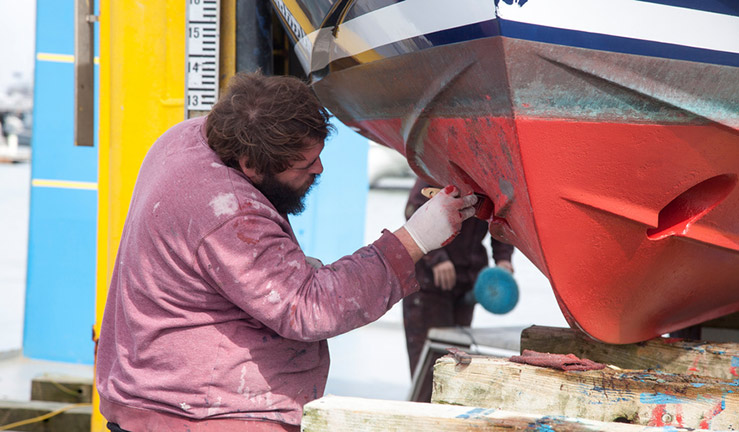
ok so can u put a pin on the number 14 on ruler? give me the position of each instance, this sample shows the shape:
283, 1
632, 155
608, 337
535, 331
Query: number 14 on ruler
201, 69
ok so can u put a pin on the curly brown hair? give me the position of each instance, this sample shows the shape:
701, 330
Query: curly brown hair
269, 119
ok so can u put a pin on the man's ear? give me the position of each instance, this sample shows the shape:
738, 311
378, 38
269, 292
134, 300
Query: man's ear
249, 172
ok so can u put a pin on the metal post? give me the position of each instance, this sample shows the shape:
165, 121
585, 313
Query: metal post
84, 73
254, 36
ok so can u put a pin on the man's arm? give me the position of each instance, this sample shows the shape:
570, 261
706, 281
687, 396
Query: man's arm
502, 253
409, 244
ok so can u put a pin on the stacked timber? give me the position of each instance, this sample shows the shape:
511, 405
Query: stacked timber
662, 384
335, 413
671, 355
58, 403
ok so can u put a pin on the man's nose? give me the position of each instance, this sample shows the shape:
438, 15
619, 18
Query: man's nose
317, 167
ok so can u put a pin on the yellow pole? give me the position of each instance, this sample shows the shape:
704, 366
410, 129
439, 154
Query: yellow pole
142, 90
227, 46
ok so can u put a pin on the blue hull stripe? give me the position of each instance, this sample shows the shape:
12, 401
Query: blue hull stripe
726, 7
578, 39
460, 34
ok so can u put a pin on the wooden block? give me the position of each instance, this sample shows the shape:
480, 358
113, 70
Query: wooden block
74, 420
678, 356
334, 413
638, 397
61, 388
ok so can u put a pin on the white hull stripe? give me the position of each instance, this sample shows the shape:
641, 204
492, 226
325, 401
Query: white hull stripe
634, 19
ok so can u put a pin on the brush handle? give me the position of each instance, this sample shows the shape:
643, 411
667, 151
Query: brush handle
429, 192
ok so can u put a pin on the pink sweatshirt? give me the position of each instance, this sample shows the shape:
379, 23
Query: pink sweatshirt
213, 312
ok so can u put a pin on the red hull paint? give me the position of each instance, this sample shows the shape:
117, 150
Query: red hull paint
634, 224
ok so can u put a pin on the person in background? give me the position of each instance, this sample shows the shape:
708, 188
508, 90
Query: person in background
446, 275
215, 319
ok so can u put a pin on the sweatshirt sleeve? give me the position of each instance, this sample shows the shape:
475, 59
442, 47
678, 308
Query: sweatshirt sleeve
254, 263
501, 251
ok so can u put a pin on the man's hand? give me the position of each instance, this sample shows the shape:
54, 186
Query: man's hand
505, 264
445, 277
437, 222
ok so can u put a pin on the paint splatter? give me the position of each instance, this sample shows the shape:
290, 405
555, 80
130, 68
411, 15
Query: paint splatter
214, 409
354, 302
708, 417
694, 367
185, 406
215, 165
660, 399
657, 414
224, 204
246, 239
273, 297
295, 354
156, 206
293, 310
243, 389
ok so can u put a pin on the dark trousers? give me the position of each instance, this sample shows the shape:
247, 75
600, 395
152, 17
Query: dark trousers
426, 309
115, 428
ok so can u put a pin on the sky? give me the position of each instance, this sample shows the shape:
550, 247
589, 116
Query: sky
17, 41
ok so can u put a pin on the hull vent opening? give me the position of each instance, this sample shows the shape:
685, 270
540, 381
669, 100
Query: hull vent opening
688, 207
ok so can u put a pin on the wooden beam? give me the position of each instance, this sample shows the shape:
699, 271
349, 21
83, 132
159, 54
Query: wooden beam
678, 356
76, 419
638, 397
61, 388
334, 413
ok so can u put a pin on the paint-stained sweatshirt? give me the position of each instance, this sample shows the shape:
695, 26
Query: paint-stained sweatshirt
213, 314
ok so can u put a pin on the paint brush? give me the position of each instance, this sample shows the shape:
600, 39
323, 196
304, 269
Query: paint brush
483, 208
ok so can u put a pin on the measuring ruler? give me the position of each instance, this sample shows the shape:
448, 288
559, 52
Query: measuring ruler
201, 55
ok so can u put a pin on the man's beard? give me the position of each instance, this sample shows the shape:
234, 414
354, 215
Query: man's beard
285, 199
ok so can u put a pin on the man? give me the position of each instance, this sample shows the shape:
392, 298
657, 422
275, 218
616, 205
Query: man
447, 277
215, 319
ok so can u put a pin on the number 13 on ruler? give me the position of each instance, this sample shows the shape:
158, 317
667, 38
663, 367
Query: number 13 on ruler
201, 51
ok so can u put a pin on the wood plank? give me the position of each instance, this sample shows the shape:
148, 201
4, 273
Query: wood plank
678, 356
61, 388
335, 413
638, 397
74, 420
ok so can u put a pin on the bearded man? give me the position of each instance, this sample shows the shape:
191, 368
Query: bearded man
215, 319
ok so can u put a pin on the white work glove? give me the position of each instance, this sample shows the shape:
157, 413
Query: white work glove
437, 222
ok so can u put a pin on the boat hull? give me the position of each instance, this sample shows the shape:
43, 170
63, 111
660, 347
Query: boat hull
603, 134
622, 191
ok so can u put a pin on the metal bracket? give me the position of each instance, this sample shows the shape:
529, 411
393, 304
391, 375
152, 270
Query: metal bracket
84, 73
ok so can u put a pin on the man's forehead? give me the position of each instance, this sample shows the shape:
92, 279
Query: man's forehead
313, 149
